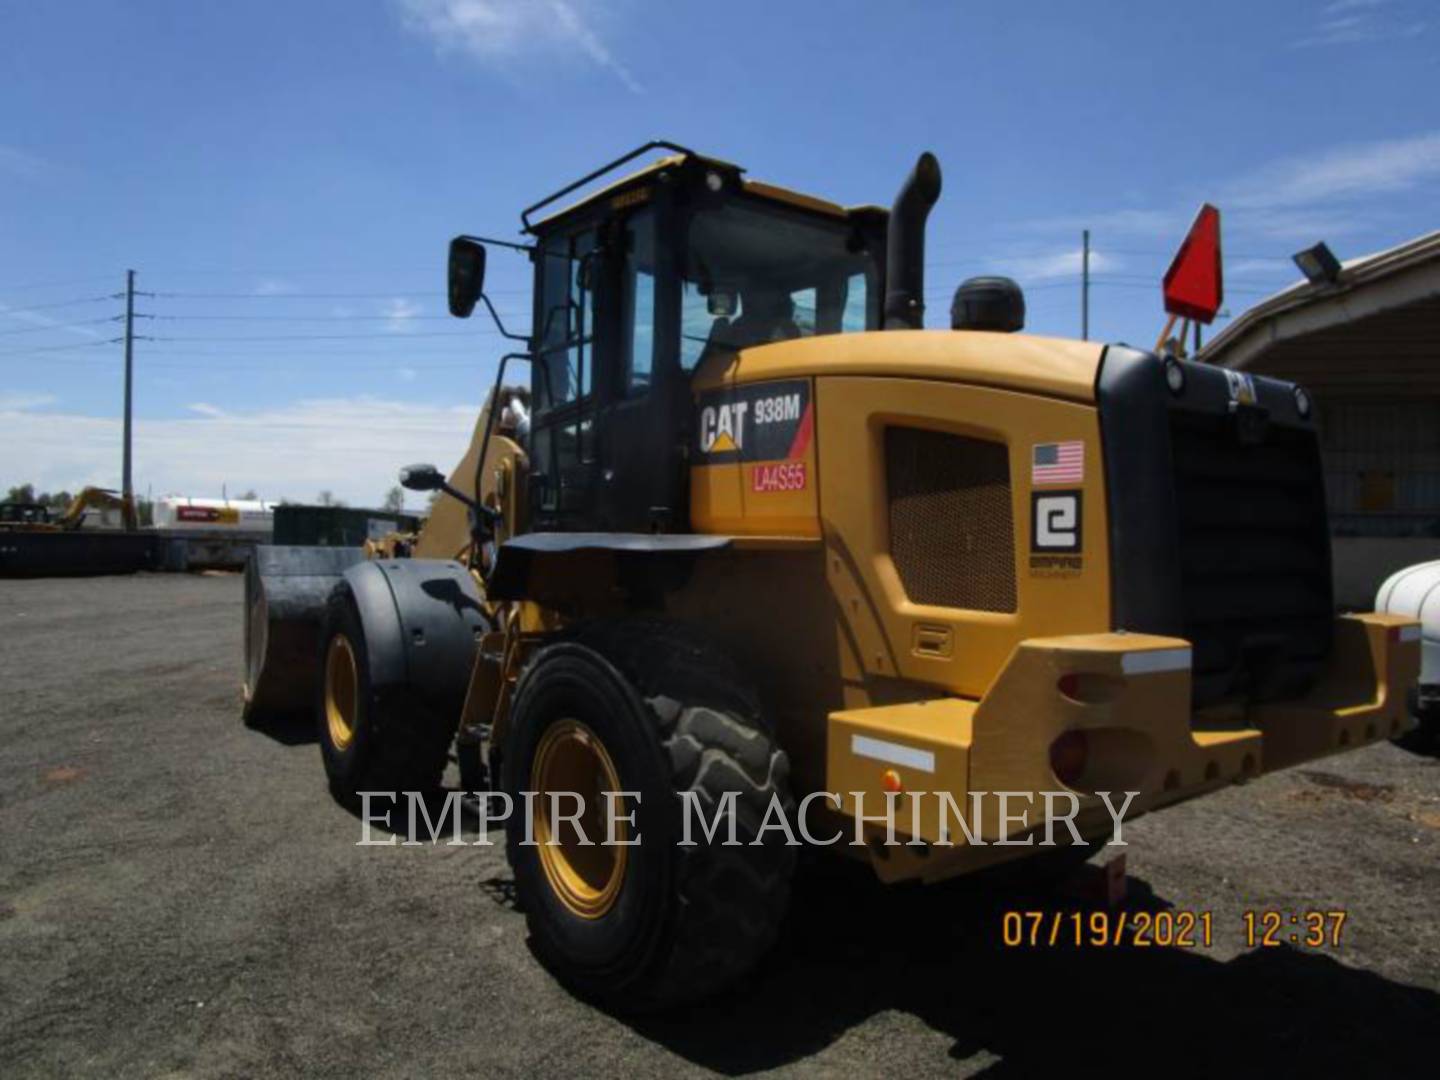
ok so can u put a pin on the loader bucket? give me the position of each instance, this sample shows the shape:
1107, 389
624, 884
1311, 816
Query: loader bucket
285, 593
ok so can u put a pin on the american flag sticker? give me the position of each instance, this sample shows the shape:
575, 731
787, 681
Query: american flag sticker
1058, 463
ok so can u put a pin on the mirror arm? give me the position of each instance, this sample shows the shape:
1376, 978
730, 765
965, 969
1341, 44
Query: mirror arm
456, 494
495, 315
527, 248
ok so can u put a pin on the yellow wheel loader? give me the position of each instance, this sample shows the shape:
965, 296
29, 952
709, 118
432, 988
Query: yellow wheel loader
769, 562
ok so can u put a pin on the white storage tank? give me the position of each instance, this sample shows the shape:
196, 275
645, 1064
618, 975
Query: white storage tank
226, 515
1415, 593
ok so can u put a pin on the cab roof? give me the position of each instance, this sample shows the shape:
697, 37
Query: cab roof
616, 189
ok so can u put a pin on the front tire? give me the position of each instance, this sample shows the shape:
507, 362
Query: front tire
652, 924
372, 741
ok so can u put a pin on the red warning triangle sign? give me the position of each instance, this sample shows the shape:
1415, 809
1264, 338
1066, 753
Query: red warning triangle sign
1193, 285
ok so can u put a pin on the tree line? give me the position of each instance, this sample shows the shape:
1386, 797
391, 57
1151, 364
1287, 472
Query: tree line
59, 501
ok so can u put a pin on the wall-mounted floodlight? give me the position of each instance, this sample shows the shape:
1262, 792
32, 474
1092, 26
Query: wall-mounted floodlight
1318, 264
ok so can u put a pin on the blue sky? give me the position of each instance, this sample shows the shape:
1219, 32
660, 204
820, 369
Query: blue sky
274, 170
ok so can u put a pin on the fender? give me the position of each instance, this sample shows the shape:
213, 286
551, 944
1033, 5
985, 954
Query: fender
423, 619
658, 561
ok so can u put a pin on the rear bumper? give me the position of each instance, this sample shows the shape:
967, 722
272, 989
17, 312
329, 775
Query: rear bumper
1130, 695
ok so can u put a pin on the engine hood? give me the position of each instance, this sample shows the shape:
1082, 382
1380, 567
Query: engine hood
1055, 367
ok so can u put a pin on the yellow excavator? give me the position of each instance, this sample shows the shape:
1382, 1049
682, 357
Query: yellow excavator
768, 564
35, 517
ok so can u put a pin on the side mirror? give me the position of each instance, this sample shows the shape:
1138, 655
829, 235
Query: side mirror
467, 275
421, 478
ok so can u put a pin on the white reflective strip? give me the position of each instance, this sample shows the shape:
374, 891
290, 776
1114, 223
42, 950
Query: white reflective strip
1143, 663
892, 752
1410, 633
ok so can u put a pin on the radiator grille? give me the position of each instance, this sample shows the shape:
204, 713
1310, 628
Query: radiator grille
1255, 586
952, 532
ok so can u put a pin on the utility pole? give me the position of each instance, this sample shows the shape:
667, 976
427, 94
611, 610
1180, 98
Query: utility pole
125, 479
1085, 286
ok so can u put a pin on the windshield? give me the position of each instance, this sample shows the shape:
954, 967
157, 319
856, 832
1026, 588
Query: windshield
756, 273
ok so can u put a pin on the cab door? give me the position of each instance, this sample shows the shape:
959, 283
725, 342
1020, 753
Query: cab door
644, 396
564, 462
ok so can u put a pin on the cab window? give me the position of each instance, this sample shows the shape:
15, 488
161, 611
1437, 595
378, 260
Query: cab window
756, 273
637, 306
566, 320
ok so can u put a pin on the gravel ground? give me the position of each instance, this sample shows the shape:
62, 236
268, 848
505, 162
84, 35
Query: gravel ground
180, 896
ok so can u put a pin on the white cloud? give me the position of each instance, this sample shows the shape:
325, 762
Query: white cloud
1288, 226
1331, 192
1128, 222
400, 312
351, 446
406, 374
23, 164
22, 402
1343, 172
273, 287
1265, 268
498, 32
1338, 6
569, 19
1357, 22
204, 408
34, 318
1059, 264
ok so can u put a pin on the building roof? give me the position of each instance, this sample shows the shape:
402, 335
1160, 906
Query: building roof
1378, 325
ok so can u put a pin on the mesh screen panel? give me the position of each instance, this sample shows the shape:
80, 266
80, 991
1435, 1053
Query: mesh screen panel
952, 531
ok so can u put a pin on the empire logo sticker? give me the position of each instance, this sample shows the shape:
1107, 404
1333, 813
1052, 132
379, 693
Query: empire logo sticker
771, 421
1055, 530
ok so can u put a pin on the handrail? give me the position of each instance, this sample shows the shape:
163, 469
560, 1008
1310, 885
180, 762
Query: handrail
654, 144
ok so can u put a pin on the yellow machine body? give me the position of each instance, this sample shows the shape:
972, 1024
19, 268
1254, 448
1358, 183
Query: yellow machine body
949, 653
875, 693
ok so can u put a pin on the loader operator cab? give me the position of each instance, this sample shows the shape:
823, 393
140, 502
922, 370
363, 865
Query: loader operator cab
640, 284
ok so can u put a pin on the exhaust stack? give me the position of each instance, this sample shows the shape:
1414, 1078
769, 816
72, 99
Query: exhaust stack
905, 246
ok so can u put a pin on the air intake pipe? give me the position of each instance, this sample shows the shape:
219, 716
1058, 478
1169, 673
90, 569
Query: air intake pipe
905, 246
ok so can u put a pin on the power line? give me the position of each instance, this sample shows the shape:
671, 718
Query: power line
433, 294
52, 284
378, 344
240, 364
429, 295
7, 310
307, 318
1171, 254
60, 348
61, 326
325, 337
396, 319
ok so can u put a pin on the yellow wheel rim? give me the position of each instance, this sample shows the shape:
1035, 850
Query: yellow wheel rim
342, 691
586, 878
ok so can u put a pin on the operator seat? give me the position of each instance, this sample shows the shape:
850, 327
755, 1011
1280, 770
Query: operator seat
764, 317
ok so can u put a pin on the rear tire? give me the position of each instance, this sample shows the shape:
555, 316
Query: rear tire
670, 717
371, 741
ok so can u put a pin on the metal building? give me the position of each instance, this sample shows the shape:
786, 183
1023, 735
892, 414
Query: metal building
1365, 341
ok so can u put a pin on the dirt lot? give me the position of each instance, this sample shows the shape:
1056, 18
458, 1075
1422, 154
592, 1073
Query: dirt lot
180, 896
